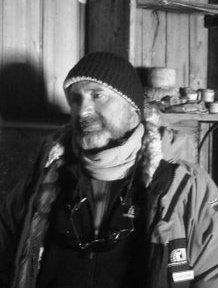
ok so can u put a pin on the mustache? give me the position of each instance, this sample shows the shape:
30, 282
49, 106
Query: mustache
84, 122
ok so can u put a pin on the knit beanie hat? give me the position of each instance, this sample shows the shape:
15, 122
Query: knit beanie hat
112, 71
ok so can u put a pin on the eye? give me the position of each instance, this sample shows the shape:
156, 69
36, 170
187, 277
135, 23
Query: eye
74, 98
100, 97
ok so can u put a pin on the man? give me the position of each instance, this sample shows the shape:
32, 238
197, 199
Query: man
101, 207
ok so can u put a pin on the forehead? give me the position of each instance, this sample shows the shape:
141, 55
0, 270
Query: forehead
86, 86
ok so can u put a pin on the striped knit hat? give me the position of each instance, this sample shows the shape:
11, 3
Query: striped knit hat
112, 71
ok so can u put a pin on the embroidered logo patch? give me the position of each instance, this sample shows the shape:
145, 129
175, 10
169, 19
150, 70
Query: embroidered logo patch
178, 255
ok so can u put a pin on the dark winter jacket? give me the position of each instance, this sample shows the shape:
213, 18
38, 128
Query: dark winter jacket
182, 230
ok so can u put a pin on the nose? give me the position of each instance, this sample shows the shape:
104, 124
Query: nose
87, 107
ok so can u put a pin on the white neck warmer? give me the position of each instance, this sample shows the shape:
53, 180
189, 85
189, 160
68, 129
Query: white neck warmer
113, 164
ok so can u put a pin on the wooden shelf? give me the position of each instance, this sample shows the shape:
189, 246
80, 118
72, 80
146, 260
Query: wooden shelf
174, 117
31, 125
182, 6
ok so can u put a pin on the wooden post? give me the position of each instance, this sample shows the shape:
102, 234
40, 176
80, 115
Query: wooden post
108, 26
1, 31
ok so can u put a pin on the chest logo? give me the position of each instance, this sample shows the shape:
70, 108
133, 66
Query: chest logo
178, 255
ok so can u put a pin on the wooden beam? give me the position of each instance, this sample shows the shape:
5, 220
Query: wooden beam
198, 38
179, 6
108, 26
175, 117
1, 32
177, 50
211, 21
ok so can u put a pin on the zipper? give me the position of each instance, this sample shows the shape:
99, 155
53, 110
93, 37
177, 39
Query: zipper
102, 213
92, 268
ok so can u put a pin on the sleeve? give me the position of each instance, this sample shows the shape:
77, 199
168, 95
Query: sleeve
12, 210
203, 231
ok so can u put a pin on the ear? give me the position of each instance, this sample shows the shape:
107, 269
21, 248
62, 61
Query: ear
167, 133
171, 135
168, 139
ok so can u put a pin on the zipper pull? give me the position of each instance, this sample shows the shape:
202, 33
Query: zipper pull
96, 233
91, 255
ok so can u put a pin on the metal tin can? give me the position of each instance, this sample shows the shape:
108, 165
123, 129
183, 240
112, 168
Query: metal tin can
213, 107
207, 95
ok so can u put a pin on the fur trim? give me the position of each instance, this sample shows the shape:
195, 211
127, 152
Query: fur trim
151, 145
55, 153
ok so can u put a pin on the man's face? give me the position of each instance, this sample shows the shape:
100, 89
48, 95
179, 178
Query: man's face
99, 114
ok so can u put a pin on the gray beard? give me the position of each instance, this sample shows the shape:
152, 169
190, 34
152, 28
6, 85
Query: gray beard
108, 133
100, 139
95, 140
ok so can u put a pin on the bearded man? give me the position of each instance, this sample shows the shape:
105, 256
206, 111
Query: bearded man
101, 207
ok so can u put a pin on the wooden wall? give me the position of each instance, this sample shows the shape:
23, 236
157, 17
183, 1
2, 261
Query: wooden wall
170, 39
40, 40
213, 83
47, 36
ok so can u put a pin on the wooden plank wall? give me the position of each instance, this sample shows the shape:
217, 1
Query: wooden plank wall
170, 39
40, 40
212, 81
45, 34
